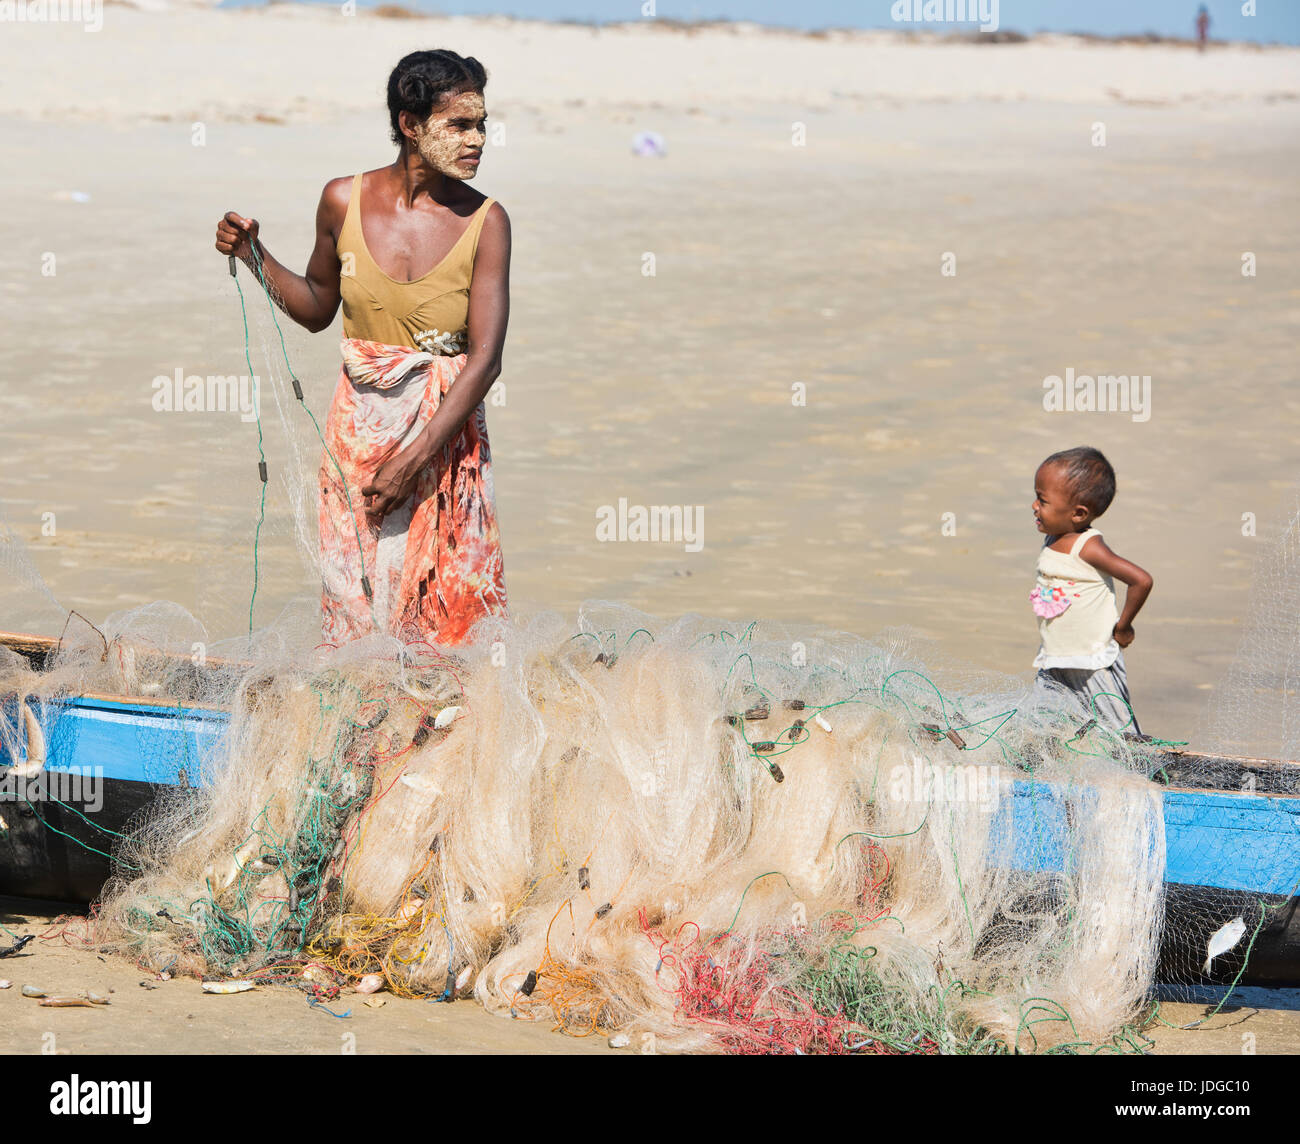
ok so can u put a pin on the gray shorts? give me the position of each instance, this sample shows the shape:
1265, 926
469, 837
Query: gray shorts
1103, 693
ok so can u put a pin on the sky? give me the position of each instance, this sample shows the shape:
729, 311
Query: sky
1273, 21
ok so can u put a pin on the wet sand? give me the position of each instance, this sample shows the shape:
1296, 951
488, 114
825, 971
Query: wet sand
924, 394
776, 265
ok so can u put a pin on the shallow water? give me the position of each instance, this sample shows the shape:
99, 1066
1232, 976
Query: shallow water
775, 265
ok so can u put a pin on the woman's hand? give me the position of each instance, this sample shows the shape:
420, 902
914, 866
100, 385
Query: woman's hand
237, 235
392, 483
1124, 634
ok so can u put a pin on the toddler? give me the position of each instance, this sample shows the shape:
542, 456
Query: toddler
1079, 624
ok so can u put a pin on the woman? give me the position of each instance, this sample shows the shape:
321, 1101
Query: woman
420, 261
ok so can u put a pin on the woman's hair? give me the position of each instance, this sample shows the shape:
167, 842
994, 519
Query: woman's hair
422, 79
1089, 475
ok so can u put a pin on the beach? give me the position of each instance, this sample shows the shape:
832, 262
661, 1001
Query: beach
869, 252
148, 1015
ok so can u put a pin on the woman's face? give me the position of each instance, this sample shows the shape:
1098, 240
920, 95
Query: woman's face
451, 139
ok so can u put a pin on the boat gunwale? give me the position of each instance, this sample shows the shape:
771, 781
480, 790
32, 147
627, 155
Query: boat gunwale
24, 643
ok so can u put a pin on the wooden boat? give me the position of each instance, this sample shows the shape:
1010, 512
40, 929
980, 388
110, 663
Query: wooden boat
1232, 825
1230, 851
107, 758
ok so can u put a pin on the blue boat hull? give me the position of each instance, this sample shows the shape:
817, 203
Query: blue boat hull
107, 761
1227, 853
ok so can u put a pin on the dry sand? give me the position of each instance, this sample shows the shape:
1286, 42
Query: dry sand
776, 264
175, 1016
316, 64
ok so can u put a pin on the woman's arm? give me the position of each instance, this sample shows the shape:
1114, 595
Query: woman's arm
489, 312
1139, 582
310, 299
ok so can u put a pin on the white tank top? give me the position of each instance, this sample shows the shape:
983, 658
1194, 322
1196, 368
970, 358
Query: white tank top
1076, 609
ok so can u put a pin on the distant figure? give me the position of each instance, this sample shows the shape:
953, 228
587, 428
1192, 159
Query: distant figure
1202, 28
1081, 629
649, 143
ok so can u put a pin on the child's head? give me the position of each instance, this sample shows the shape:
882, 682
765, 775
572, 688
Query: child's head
1072, 489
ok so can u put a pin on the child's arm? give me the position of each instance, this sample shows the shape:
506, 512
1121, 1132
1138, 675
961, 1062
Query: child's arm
1139, 582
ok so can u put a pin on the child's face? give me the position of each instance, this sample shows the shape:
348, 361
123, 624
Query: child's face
1053, 509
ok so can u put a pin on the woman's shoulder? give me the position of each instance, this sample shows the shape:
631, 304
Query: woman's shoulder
332, 211
495, 223
470, 207
476, 200
334, 198
339, 189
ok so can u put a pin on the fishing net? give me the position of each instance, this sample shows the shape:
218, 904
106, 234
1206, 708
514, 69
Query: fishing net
702, 836
1255, 713
1235, 804
736, 839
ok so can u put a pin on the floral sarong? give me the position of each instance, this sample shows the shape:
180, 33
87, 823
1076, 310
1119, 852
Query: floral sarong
433, 564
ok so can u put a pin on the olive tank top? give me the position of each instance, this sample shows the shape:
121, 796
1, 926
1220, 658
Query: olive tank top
428, 313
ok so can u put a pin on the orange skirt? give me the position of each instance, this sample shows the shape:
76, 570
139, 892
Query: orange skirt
433, 564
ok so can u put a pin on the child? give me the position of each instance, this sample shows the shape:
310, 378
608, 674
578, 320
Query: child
1081, 630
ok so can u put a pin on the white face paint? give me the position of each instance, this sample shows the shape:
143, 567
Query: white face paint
452, 134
